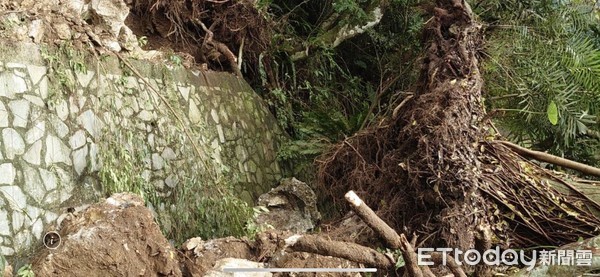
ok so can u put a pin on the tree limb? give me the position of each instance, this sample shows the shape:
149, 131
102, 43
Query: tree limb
334, 35
390, 236
410, 258
372, 220
221, 47
399, 241
367, 256
545, 157
346, 250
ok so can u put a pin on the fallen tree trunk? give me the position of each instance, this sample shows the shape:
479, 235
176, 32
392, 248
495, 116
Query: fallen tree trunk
433, 170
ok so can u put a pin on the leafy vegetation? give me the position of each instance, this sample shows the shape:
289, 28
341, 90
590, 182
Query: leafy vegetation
197, 206
63, 62
25, 271
542, 74
252, 227
541, 68
202, 204
336, 91
122, 167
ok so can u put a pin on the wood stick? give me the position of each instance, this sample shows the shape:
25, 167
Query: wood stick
545, 157
372, 220
410, 258
221, 47
392, 238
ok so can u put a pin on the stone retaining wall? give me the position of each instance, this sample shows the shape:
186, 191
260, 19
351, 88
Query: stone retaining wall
57, 123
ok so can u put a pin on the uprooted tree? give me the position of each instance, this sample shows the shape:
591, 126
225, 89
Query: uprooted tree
438, 168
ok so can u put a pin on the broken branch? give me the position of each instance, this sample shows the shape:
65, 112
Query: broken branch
221, 47
334, 35
545, 157
410, 258
346, 250
397, 241
372, 220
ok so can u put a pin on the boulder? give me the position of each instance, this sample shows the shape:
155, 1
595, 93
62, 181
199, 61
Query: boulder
291, 206
111, 14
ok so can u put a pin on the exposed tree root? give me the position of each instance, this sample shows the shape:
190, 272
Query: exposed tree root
541, 208
211, 30
433, 171
221, 47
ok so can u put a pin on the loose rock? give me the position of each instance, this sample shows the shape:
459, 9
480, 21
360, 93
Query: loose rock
292, 206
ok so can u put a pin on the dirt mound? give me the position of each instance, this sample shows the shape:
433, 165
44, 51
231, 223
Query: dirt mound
117, 237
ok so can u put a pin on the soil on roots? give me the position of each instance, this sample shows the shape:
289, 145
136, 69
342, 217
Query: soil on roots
417, 167
195, 27
435, 169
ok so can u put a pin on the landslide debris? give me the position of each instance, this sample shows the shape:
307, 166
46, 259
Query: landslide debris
116, 237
